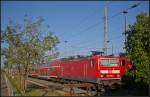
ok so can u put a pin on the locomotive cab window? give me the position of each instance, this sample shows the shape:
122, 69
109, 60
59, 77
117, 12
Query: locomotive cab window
108, 62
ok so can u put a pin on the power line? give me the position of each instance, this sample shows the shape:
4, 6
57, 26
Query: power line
92, 26
98, 40
84, 49
83, 20
135, 5
91, 43
109, 18
89, 46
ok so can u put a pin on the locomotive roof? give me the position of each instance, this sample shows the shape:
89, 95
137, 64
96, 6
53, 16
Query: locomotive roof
75, 58
86, 57
81, 58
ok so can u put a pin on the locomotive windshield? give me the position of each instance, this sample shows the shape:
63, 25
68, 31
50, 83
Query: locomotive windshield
109, 62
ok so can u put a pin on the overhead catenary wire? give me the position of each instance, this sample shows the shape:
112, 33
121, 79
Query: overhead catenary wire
95, 40
72, 36
92, 26
114, 30
89, 45
87, 50
111, 31
108, 18
82, 21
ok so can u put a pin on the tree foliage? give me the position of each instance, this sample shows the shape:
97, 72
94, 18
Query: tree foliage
137, 48
26, 44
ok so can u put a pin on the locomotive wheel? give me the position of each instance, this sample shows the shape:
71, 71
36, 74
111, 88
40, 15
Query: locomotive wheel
100, 88
89, 91
72, 91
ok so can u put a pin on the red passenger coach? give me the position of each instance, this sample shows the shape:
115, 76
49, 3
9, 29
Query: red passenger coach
93, 69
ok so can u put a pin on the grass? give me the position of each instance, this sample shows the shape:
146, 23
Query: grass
32, 90
15, 86
35, 92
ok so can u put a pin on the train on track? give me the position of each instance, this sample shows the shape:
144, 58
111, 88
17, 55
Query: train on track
93, 69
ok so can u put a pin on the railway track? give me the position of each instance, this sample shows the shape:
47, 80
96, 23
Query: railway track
72, 88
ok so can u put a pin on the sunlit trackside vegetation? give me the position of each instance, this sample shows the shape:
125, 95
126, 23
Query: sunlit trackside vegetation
137, 45
26, 46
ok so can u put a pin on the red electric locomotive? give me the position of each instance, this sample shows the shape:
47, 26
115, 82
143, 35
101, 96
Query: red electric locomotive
94, 69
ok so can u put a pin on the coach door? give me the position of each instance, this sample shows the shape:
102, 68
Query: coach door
85, 71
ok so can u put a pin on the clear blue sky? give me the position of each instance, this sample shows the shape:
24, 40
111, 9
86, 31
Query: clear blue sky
69, 20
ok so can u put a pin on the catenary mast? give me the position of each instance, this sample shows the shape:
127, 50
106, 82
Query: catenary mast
105, 29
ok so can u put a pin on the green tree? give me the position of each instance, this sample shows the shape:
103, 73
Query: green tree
26, 45
137, 48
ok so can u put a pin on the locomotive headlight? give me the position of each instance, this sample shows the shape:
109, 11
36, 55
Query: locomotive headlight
104, 71
115, 71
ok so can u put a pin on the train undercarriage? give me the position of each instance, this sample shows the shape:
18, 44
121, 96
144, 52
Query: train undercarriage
100, 87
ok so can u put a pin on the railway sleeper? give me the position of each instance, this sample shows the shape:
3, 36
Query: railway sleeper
74, 85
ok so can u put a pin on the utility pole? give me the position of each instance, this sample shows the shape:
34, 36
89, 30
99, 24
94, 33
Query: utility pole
125, 25
67, 52
112, 50
105, 30
125, 19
